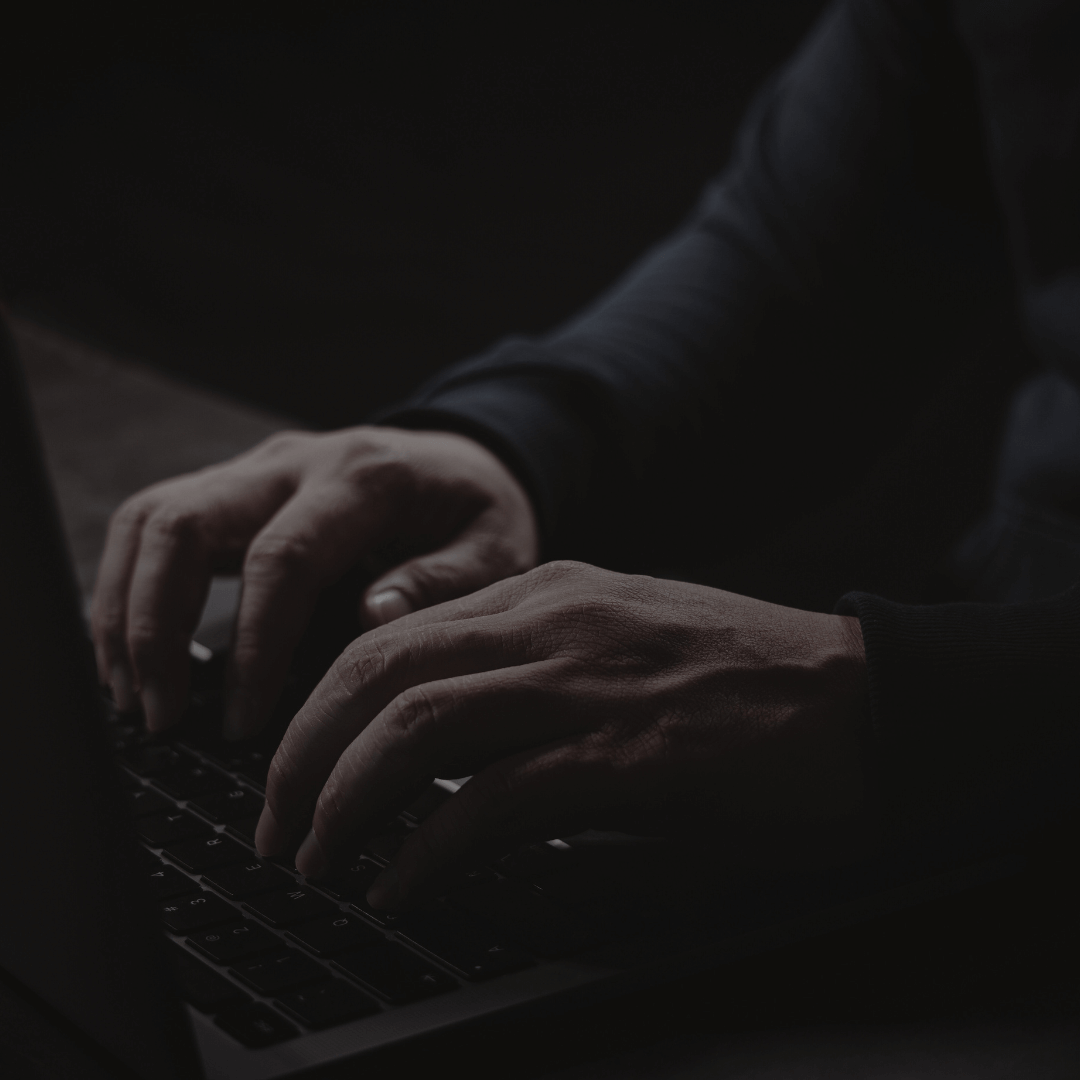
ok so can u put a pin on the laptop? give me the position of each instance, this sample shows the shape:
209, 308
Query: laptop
137, 907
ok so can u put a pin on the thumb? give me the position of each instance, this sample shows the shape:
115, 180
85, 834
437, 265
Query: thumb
473, 560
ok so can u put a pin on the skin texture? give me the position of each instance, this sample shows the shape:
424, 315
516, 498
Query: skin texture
294, 514
577, 697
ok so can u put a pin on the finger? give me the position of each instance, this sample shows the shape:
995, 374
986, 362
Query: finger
311, 541
108, 611
169, 583
472, 719
483, 553
535, 795
364, 680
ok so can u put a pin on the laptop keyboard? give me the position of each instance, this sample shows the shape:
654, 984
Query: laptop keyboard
270, 955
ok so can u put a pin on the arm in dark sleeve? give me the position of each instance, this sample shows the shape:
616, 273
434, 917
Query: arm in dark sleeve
976, 718
631, 390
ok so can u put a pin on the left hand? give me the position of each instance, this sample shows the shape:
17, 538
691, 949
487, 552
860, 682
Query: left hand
577, 697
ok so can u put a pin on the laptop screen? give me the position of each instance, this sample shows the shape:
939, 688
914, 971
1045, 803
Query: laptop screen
78, 930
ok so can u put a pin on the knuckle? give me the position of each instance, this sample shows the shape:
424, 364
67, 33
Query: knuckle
367, 663
131, 512
283, 443
273, 556
173, 524
413, 716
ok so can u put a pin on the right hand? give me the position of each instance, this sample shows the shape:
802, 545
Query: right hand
295, 513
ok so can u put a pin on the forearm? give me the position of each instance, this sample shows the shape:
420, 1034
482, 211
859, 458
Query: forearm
635, 388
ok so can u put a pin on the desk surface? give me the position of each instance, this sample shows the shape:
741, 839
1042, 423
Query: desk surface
983, 985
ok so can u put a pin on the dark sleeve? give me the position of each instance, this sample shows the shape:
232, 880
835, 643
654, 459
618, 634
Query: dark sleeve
632, 389
976, 717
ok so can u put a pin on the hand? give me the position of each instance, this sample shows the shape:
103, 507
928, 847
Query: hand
296, 513
578, 698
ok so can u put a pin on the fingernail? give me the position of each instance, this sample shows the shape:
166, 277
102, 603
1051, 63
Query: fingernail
236, 724
384, 890
270, 837
388, 605
123, 692
157, 705
311, 859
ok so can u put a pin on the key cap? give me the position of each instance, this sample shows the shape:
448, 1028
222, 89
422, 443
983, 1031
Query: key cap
185, 914
157, 830
148, 801
394, 973
584, 928
244, 828
352, 883
225, 806
149, 760
327, 1003
284, 906
385, 846
251, 765
189, 779
473, 947
148, 861
207, 852
256, 1025
169, 882
334, 934
510, 904
234, 941
248, 878
278, 971
202, 986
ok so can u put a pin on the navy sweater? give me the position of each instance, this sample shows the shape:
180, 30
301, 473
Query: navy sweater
842, 174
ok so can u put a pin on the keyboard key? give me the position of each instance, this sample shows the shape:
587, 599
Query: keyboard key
248, 878
149, 760
352, 883
327, 1003
385, 846
148, 861
234, 941
284, 906
478, 875
394, 973
148, 801
473, 947
279, 971
256, 1025
509, 904
185, 914
169, 882
334, 934
251, 765
188, 779
244, 828
207, 852
225, 806
202, 986
157, 830
583, 928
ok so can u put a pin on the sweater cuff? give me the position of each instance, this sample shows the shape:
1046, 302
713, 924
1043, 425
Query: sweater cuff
976, 717
520, 419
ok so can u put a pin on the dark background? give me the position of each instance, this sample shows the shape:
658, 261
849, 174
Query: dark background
312, 213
